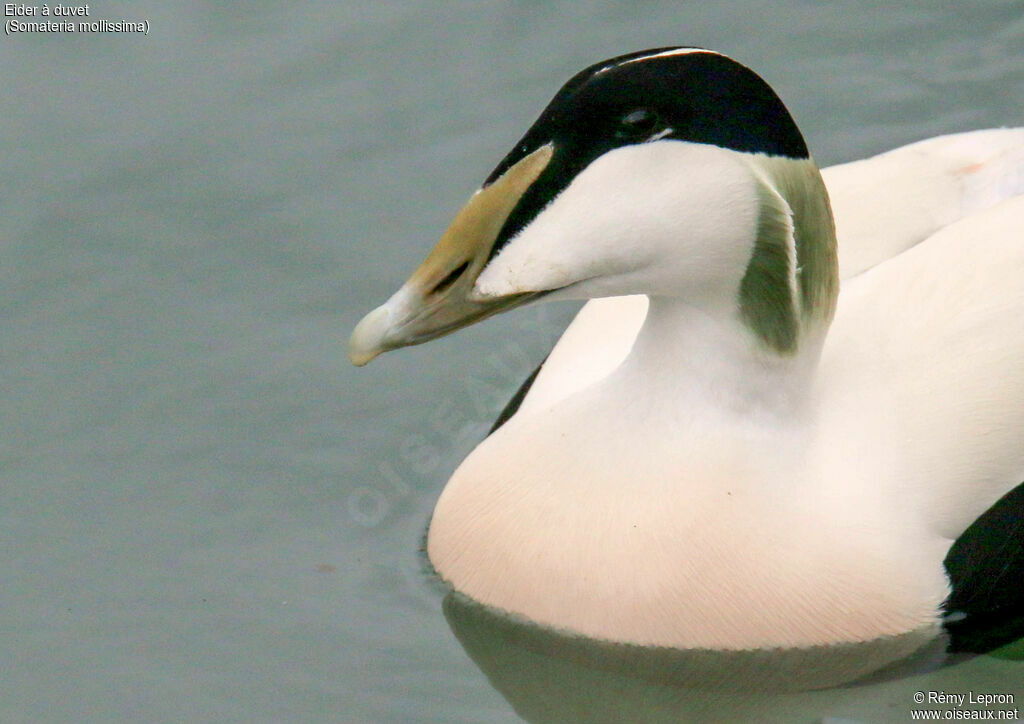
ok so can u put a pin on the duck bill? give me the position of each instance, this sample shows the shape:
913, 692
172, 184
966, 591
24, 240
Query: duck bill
439, 297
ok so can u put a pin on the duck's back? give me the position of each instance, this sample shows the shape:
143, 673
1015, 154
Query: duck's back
930, 343
888, 203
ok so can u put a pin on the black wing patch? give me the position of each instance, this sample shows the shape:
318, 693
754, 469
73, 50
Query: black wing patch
517, 399
986, 570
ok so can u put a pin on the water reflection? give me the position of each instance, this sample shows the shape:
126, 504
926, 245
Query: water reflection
554, 677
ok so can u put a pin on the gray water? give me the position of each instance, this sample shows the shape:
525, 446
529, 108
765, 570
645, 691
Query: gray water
207, 513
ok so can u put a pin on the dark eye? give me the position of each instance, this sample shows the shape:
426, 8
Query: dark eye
638, 123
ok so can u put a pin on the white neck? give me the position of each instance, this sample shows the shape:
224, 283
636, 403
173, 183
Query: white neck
706, 361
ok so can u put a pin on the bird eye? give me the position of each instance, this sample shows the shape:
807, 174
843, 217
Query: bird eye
637, 123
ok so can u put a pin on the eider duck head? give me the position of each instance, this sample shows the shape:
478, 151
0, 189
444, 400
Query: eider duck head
670, 172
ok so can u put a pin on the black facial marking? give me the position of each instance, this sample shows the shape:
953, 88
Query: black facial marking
701, 97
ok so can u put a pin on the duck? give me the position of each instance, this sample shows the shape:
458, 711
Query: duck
790, 414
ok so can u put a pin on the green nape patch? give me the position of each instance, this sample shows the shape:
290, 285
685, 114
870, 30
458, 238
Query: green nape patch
768, 297
792, 281
800, 183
